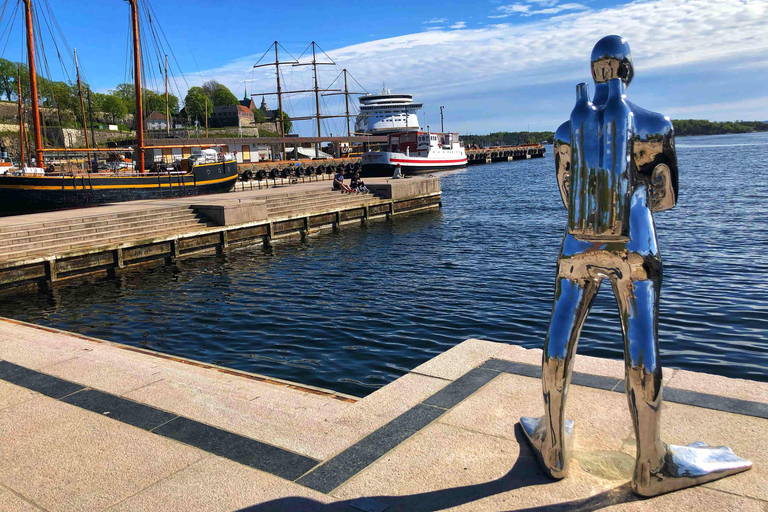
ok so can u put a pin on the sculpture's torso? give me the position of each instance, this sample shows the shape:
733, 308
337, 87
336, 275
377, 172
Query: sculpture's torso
601, 177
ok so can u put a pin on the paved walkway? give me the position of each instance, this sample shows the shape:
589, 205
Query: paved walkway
90, 425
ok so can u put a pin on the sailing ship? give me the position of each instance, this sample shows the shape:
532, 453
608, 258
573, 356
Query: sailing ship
416, 152
32, 188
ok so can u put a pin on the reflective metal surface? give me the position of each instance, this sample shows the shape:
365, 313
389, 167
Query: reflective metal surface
615, 165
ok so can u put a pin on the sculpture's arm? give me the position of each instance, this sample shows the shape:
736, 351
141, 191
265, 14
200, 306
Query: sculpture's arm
562, 149
664, 185
654, 157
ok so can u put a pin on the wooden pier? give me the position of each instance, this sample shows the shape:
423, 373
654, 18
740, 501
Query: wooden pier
44, 249
504, 154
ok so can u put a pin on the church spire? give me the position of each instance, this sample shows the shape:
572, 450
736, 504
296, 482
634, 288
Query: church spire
264, 106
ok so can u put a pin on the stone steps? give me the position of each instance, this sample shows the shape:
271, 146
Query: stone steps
63, 223
131, 228
322, 202
80, 229
319, 201
97, 238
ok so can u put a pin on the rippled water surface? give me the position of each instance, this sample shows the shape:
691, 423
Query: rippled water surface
354, 310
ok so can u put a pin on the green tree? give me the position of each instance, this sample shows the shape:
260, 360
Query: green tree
259, 116
8, 73
195, 102
127, 93
287, 124
223, 97
113, 105
210, 87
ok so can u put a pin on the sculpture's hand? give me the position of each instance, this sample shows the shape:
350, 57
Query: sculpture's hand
662, 192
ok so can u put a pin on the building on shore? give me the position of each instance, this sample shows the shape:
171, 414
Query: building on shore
155, 121
231, 115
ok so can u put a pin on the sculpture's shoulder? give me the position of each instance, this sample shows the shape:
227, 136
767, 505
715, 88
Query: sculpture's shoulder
649, 124
563, 133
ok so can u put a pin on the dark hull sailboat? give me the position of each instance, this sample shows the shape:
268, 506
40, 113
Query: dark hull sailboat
26, 194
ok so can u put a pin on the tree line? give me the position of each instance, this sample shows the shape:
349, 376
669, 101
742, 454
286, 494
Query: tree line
682, 127
64, 99
508, 138
704, 127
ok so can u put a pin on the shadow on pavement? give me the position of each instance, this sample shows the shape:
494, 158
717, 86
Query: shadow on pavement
524, 473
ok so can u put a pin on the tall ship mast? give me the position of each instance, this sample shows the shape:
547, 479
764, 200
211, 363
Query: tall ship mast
313, 48
387, 112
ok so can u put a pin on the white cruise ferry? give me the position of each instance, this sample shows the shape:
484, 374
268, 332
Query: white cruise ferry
416, 152
387, 112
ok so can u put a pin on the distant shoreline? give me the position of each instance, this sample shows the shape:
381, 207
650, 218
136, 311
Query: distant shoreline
687, 127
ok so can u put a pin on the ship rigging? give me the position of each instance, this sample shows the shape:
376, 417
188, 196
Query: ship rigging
314, 49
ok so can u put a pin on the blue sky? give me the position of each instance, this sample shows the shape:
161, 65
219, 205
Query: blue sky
495, 65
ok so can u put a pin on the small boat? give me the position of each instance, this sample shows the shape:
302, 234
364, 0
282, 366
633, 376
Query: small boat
416, 152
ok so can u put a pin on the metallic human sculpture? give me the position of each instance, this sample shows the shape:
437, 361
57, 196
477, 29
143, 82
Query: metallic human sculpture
616, 164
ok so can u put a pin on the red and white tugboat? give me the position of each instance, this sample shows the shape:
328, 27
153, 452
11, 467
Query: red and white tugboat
416, 152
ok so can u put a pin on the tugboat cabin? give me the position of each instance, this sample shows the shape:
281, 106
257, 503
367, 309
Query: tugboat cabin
421, 143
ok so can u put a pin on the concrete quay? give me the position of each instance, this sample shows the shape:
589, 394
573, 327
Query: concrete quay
47, 248
90, 425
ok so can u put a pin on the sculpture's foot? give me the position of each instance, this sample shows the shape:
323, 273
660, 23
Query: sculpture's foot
686, 466
552, 458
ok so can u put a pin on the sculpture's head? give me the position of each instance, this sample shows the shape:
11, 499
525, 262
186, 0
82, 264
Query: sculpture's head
611, 58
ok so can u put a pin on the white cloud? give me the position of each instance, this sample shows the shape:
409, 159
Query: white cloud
459, 24
435, 20
510, 9
525, 10
467, 64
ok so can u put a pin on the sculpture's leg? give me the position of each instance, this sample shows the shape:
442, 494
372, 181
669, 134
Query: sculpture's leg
659, 468
550, 435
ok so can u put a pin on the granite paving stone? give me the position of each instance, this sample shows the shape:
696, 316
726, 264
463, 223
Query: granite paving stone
246, 451
114, 377
461, 388
460, 359
120, 409
36, 381
356, 458
301, 422
740, 389
9, 502
219, 485
67, 459
11, 394
497, 407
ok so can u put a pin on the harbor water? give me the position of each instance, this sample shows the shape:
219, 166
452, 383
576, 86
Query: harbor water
355, 309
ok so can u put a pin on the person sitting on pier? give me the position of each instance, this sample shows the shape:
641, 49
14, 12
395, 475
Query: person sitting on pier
358, 185
338, 183
398, 172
